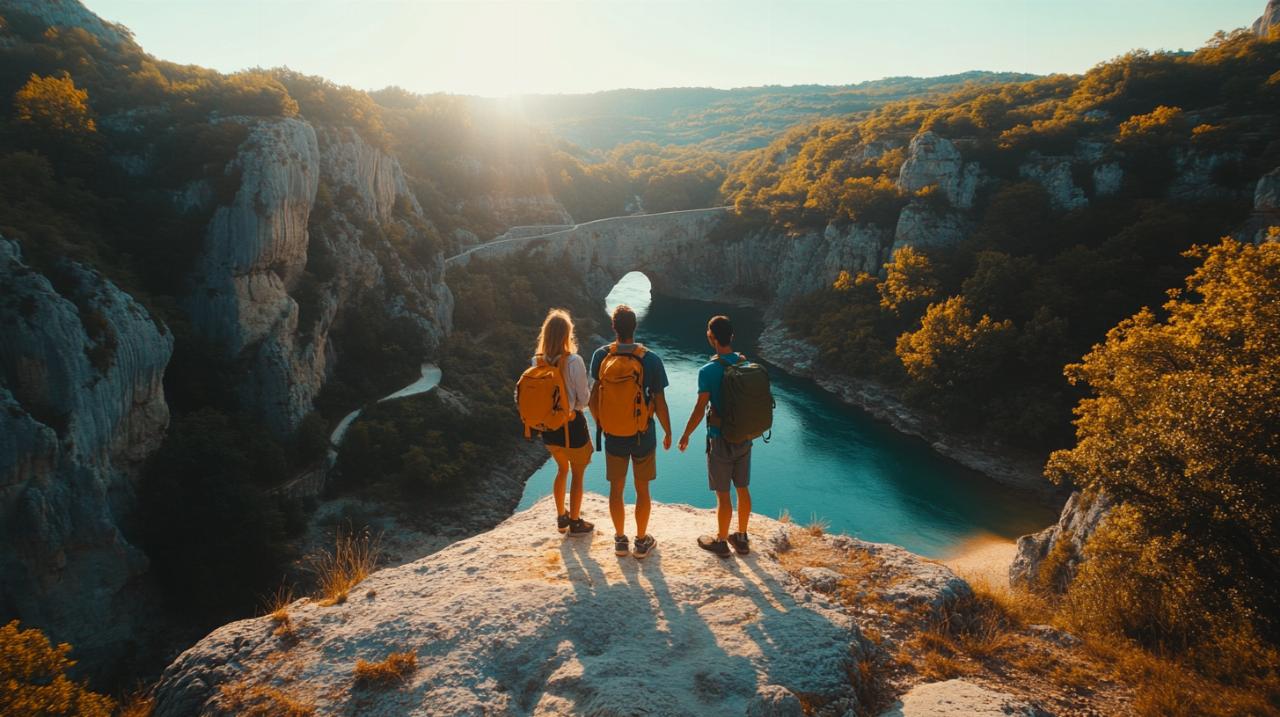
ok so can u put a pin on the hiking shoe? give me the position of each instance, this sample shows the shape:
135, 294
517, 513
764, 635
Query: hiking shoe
580, 527
644, 546
710, 543
562, 523
621, 546
740, 542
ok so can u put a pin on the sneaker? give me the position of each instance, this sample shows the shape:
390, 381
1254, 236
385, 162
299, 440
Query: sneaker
621, 546
644, 546
740, 542
709, 543
562, 523
580, 527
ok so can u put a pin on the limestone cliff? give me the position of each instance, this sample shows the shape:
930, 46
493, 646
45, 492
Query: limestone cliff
685, 254
1065, 540
524, 621
72, 14
256, 249
1269, 19
81, 368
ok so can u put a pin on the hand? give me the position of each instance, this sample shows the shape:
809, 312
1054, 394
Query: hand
684, 442
666, 442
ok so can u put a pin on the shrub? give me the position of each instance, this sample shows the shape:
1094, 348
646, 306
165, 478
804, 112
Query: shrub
1180, 429
262, 701
33, 678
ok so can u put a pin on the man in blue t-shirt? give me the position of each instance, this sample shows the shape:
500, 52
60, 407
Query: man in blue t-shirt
727, 463
640, 449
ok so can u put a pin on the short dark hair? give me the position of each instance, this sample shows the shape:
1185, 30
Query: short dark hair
624, 322
722, 329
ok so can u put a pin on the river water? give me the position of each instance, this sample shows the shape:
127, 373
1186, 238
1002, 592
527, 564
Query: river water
826, 460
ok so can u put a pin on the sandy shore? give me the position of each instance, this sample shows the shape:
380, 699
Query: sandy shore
984, 559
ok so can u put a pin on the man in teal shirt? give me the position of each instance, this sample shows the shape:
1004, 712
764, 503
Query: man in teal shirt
727, 463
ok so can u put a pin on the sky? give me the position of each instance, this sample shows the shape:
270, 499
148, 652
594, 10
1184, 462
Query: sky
507, 47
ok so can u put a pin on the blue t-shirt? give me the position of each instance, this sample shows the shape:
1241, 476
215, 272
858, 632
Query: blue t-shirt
710, 377
655, 381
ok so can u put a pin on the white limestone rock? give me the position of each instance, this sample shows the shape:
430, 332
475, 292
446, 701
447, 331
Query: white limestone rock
920, 225
1107, 179
1080, 517
524, 621
1195, 172
1269, 19
958, 698
932, 159
1266, 195
1054, 174
81, 370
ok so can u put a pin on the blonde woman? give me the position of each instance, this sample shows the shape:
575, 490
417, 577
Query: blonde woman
559, 346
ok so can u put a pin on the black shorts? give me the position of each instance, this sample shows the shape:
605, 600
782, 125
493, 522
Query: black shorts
578, 433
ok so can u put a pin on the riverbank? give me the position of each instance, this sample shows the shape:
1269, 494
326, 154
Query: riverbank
1003, 465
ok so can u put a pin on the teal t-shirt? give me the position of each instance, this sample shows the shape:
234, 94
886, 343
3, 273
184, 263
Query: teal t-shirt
710, 377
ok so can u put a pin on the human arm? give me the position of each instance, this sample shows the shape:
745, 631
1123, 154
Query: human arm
664, 417
695, 418
576, 378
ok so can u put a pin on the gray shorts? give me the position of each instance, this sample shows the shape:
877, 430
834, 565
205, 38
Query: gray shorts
728, 463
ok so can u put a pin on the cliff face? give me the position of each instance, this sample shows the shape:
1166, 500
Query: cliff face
81, 369
523, 621
1269, 19
1065, 540
682, 255
256, 249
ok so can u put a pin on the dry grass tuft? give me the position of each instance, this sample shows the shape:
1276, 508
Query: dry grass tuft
353, 559
817, 527
785, 516
277, 606
262, 701
393, 670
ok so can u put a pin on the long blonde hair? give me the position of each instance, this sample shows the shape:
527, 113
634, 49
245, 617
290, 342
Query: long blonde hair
557, 337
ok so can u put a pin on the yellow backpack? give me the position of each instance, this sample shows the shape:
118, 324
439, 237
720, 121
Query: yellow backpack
618, 402
542, 398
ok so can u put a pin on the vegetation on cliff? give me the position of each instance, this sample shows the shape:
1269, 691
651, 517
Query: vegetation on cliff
1034, 285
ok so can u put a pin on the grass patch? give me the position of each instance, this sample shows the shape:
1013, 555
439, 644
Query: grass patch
262, 701
391, 671
817, 526
353, 559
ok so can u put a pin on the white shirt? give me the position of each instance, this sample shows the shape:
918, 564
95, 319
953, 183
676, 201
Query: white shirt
575, 381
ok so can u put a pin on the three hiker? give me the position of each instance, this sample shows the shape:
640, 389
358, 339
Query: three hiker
625, 396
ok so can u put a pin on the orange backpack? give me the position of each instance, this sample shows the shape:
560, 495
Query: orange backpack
618, 401
543, 399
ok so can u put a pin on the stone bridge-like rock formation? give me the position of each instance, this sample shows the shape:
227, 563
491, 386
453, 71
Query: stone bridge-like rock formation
698, 254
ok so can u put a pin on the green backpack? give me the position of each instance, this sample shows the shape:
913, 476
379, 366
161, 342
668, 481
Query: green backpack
746, 401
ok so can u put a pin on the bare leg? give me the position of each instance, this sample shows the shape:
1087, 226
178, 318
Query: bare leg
617, 509
557, 488
575, 490
642, 508
724, 514
744, 509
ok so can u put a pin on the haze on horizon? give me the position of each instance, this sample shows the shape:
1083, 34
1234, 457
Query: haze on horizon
508, 47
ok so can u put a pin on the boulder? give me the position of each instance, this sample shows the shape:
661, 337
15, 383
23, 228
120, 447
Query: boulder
1266, 195
1079, 519
958, 698
521, 620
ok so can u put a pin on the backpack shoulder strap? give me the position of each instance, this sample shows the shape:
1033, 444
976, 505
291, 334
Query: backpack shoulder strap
639, 351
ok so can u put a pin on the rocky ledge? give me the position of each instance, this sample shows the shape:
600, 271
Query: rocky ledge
1003, 464
523, 621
